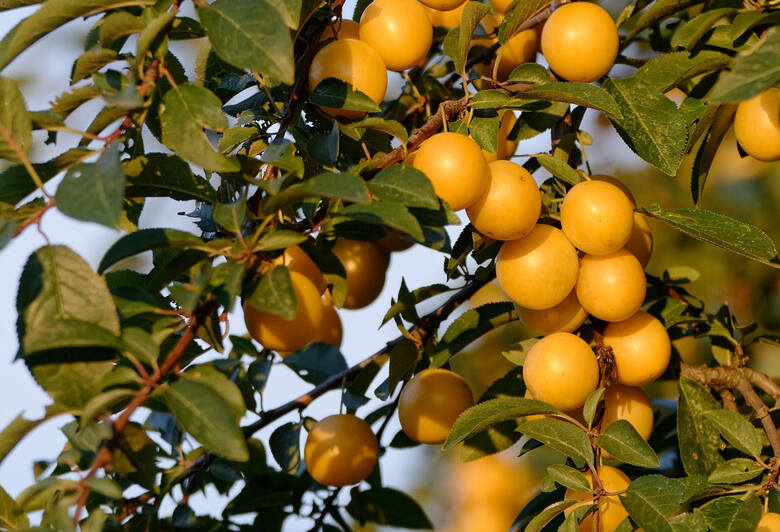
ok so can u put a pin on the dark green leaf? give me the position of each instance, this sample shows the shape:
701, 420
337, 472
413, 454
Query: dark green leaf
490, 99
689, 33
568, 477
19, 427
735, 471
280, 239
285, 444
317, 362
732, 514
518, 13
230, 215
343, 185
165, 175
651, 499
355, 130
621, 440
281, 153
752, 72
7, 230
14, 120
291, 12
406, 185
386, 506
394, 215
251, 35
403, 358
577, 93
737, 430
529, 73
543, 518
145, 240
469, 20
484, 130
666, 71
337, 94
719, 230
216, 380
562, 436
699, 439
275, 294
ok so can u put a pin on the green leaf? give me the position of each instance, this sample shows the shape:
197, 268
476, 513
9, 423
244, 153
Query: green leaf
568, 477
752, 72
480, 416
206, 415
7, 230
562, 436
472, 14
591, 404
342, 185
10, 514
93, 192
484, 130
651, 125
406, 185
737, 430
186, 110
689, 33
722, 119
738, 237
543, 518
657, 10
490, 99
735, 471
355, 130
216, 380
165, 175
559, 169
403, 358
251, 35
732, 514
281, 153
230, 215
154, 24
275, 294
102, 403
19, 427
651, 499
317, 362
338, 94
529, 73
386, 506
279, 239
699, 440
666, 71
105, 486
291, 12
393, 215
52, 15
285, 443
621, 440
14, 120
518, 13
577, 93
145, 240
531, 123
118, 24
15, 182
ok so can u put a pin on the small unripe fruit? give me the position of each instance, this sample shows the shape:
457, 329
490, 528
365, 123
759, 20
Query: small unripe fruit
611, 510
399, 30
597, 217
511, 204
757, 125
611, 287
330, 330
279, 334
446, 19
431, 402
770, 522
340, 450
641, 347
506, 148
580, 41
297, 260
538, 270
629, 403
366, 266
566, 316
520, 48
342, 29
456, 167
562, 370
353, 62
443, 5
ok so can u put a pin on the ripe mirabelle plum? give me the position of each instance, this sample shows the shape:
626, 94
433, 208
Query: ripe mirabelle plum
430, 402
506, 148
342, 29
538, 270
354, 62
611, 287
279, 334
500, 6
366, 266
456, 167
757, 125
770, 522
446, 19
580, 41
562, 370
641, 348
566, 316
340, 450
399, 30
443, 5
297, 260
597, 217
330, 330
509, 207
629, 403
393, 241
611, 511
519, 49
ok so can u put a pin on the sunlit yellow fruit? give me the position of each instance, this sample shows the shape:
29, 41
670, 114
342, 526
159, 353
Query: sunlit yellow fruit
611, 511
640, 242
399, 30
330, 330
519, 49
618, 183
446, 19
297, 260
340, 450
597, 217
506, 148
279, 334
641, 348
510, 206
538, 270
393, 241
770, 522
456, 167
443, 5
611, 287
342, 29
366, 266
500, 6
354, 62
580, 41
562, 370
757, 125
629, 403
431, 402
566, 316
